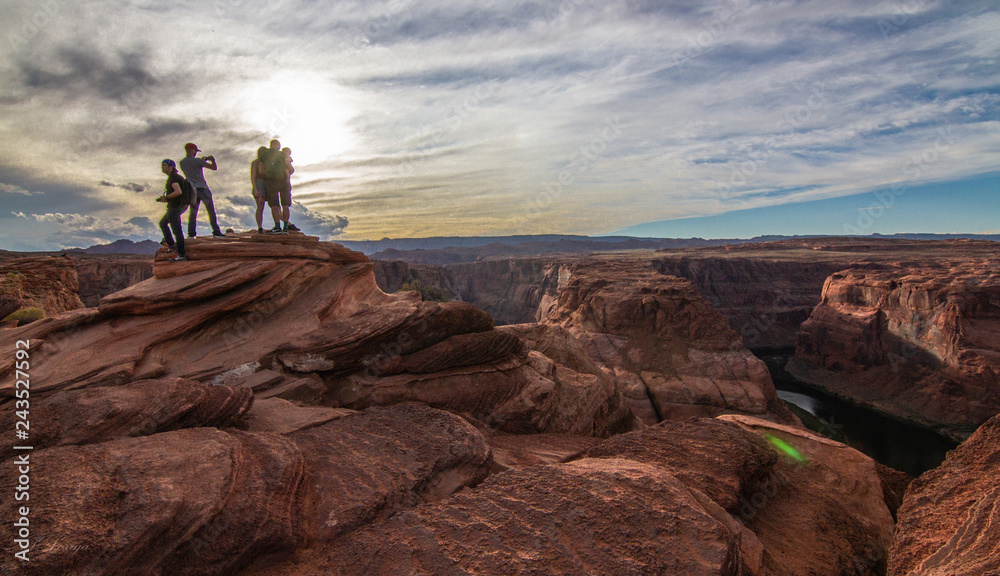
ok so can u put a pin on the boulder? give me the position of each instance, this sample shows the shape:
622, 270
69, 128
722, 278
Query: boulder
822, 510
591, 516
948, 520
140, 408
196, 501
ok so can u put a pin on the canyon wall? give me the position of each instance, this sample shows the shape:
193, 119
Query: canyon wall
918, 341
46, 282
105, 274
765, 300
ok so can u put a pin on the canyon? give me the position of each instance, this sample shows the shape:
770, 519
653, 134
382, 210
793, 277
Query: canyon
275, 405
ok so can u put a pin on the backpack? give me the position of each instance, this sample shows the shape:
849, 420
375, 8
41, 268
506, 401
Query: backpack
274, 166
188, 192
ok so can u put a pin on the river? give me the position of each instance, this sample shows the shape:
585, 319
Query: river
896, 444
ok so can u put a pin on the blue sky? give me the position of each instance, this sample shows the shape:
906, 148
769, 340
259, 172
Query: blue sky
969, 206
443, 118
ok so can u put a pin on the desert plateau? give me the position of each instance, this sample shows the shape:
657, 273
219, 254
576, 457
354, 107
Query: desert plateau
276, 405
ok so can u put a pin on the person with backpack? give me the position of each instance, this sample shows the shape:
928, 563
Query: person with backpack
258, 183
177, 200
192, 168
279, 192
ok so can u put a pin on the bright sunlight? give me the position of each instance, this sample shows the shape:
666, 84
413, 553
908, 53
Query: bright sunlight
306, 112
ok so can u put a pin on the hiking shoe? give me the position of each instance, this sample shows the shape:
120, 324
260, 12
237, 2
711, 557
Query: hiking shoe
218, 234
260, 230
293, 227
275, 230
178, 258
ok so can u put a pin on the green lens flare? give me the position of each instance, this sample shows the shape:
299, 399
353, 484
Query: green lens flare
786, 448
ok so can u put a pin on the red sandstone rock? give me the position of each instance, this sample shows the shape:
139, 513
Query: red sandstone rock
719, 458
373, 464
139, 408
109, 273
297, 304
948, 520
197, 501
671, 354
919, 342
44, 282
821, 511
592, 516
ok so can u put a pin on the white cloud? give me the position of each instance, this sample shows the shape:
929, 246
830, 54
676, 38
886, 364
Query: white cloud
12, 189
443, 117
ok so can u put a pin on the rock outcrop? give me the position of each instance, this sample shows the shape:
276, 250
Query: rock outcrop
46, 282
195, 501
824, 508
263, 408
140, 408
948, 520
106, 274
671, 355
209, 501
700, 497
303, 320
920, 342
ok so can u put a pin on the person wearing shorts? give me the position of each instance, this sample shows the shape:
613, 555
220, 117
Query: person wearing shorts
279, 190
258, 184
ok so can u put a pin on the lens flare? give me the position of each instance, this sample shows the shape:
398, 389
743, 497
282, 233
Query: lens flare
786, 448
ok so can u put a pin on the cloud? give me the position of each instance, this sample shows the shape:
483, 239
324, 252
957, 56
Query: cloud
316, 223
131, 186
14, 189
440, 117
78, 230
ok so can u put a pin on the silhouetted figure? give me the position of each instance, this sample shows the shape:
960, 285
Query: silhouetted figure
278, 189
177, 203
258, 180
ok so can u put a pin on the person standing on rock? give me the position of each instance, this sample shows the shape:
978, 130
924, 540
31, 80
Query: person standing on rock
285, 206
258, 181
176, 201
278, 187
192, 168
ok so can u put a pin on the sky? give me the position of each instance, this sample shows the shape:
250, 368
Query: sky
449, 118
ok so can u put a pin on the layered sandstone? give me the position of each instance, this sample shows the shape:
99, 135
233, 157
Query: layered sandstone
918, 341
765, 299
670, 353
948, 520
181, 441
106, 274
46, 282
701, 497
304, 320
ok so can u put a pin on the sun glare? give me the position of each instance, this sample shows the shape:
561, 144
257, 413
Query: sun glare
307, 113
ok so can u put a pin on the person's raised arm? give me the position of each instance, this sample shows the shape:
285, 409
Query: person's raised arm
210, 163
